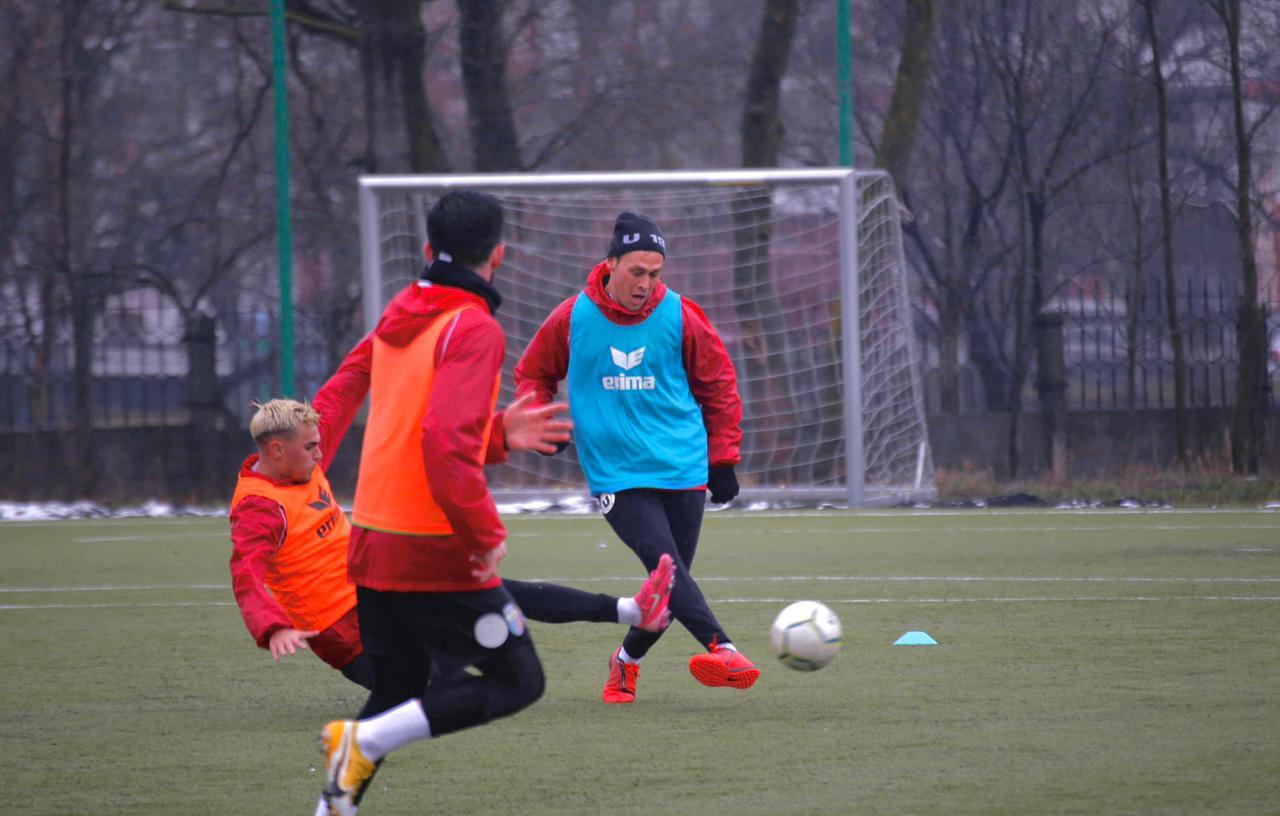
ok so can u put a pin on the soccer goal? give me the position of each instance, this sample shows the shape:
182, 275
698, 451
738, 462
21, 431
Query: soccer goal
801, 271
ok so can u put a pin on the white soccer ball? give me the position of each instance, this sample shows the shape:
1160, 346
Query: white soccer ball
806, 636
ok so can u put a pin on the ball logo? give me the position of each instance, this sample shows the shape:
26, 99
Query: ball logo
606, 503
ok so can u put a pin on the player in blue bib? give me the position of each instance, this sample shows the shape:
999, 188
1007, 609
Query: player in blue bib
657, 422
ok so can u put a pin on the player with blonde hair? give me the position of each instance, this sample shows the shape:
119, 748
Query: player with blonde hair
289, 560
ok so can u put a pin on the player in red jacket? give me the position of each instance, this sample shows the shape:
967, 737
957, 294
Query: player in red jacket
427, 540
657, 418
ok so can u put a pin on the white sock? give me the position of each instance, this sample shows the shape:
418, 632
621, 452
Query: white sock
629, 611
626, 658
380, 735
727, 645
322, 808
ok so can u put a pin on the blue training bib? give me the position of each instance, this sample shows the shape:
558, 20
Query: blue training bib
635, 420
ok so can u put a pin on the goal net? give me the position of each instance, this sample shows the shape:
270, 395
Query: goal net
801, 271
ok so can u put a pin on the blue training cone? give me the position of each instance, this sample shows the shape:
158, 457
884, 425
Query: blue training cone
915, 639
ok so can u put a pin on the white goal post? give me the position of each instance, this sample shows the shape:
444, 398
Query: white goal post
801, 271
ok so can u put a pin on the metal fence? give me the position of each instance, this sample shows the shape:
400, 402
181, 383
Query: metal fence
1104, 328
149, 365
142, 371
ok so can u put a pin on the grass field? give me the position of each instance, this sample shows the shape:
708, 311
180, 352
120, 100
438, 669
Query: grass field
1110, 662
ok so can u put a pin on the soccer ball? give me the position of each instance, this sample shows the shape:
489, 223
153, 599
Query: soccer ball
806, 636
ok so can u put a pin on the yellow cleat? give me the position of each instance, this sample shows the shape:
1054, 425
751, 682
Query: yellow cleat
347, 771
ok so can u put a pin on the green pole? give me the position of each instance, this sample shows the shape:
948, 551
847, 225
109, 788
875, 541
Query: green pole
844, 67
284, 223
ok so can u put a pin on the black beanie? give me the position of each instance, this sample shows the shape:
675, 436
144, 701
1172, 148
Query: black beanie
633, 232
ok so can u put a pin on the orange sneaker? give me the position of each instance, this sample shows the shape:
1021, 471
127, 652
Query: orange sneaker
621, 685
723, 666
654, 596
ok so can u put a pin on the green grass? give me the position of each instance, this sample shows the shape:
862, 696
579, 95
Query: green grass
1117, 662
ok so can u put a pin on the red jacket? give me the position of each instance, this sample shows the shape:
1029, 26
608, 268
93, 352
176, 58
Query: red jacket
257, 524
545, 363
468, 358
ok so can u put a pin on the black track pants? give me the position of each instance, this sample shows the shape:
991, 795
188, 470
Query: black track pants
405, 634
553, 603
547, 603
653, 522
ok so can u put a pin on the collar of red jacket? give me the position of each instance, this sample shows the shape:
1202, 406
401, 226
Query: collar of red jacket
411, 311
247, 470
611, 308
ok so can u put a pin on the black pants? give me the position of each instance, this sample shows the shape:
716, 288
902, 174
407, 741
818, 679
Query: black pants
547, 603
653, 522
406, 634
553, 603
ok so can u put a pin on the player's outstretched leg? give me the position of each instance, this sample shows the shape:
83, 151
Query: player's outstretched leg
554, 603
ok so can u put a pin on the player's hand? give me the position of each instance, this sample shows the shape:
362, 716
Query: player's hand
288, 641
484, 565
722, 482
533, 427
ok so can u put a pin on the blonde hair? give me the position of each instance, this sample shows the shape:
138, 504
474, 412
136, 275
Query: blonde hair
280, 416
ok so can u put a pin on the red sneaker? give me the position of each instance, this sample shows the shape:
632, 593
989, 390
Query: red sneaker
723, 667
621, 685
654, 596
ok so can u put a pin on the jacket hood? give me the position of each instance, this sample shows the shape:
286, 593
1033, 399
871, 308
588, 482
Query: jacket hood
412, 310
613, 310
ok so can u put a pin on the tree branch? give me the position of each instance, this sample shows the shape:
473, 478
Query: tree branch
309, 18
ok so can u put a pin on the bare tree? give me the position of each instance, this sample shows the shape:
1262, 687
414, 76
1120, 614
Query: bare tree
483, 49
753, 222
1050, 138
26, 277
1166, 229
88, 35
957, 195
909, 87
392, 46
1246, 421
198, 223
393, 54
16, 67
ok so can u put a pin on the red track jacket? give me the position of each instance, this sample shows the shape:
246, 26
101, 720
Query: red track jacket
545, 363
258, 523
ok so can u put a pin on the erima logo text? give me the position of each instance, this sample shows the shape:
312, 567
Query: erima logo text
624, 382
322, 504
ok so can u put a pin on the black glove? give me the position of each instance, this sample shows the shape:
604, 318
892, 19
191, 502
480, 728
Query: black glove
722, 483
560, 446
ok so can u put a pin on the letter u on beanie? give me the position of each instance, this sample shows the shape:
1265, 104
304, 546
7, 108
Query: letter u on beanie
633, 232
